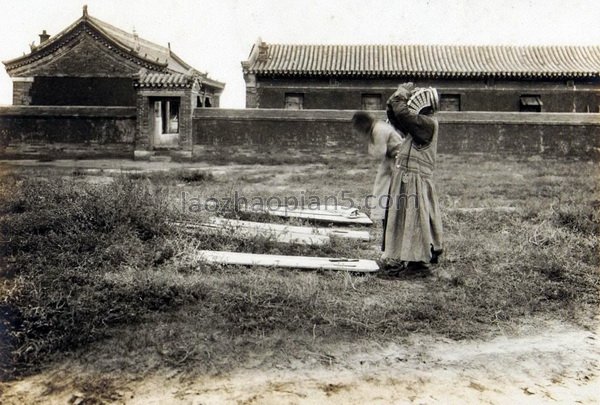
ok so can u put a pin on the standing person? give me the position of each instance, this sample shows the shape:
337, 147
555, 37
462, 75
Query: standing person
413, 232
384, 140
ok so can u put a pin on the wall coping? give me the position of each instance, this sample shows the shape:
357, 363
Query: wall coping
253, 114
483, 117
67, 111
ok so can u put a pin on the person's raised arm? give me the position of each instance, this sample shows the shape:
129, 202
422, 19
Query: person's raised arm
377, 142
421, 127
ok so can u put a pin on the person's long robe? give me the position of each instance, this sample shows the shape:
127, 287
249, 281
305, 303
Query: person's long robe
384, 139
413, 226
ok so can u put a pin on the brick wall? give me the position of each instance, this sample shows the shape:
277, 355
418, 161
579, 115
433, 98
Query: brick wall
271, 132
185, 120
22, 92
33, 131
143, 126
475, 95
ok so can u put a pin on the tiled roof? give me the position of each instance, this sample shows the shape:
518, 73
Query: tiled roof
149, 79
141, 47
145, 53
156, 79
148, 54
424, 61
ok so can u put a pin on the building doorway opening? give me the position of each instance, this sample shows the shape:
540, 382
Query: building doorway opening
166, 121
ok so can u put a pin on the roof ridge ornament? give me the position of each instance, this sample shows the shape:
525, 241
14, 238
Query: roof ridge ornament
136, 40
85, 11
263, 51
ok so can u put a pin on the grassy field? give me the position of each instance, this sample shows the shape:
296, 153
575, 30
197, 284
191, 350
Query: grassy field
92, 270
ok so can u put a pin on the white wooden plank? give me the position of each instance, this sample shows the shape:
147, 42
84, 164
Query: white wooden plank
334, 215
482, 209
283, 228
252, 231
298, 262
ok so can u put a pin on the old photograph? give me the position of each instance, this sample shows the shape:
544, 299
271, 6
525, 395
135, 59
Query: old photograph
300, 202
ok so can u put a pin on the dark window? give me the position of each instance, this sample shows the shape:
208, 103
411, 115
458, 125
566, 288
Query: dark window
207, 102
371, 102
450, 102
530, 103
294, 101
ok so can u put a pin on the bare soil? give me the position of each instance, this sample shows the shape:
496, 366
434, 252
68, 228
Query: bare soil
560, 365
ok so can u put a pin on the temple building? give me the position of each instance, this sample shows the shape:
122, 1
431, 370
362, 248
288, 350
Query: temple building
93, 63
468, 78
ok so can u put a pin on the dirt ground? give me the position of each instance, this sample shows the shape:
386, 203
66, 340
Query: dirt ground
560, 365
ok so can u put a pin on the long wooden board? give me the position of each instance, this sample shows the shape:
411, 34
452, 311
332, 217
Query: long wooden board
248, 230
298, 262
269, 228
483, 209
334, 215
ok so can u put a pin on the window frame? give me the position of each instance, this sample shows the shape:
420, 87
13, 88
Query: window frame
289, 96
445, 97
371, 96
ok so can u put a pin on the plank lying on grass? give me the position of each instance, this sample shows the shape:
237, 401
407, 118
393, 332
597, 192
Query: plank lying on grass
482, 209
248, 231
269, 228
340, 215
297, 262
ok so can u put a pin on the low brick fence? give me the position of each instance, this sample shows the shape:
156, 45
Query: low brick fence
220, 134
275, 131
66, 131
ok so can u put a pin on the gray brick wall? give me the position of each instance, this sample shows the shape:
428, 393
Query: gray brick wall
270, 131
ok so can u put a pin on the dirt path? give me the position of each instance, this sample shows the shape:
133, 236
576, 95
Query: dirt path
560, 366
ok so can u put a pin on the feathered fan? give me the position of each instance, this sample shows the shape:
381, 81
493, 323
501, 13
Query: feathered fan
424, 98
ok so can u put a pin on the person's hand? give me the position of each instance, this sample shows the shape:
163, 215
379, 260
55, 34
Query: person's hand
403, 92
409, 86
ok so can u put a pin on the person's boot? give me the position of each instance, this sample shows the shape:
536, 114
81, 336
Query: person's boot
391, 268
417, 270
435, 255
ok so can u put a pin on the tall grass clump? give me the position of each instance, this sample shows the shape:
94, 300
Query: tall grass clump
59, 240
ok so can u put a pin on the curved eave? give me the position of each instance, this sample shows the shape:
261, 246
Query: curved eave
124, 48
46, 45
212, 83
67, 35
427, 74
180, 61
163, 86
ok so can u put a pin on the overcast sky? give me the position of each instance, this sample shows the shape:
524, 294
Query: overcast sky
215, 36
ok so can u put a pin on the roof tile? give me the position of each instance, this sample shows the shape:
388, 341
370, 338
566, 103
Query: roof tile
157, 79
429, 60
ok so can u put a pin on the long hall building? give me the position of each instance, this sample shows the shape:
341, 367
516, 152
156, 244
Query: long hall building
468, 78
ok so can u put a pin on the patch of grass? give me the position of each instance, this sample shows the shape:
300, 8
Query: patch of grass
78, 172
58, 241
577, 218
96, 269
173, 176
194, 176
273, 156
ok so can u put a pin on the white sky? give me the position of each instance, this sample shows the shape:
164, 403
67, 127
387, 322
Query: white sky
216, 35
